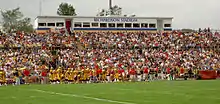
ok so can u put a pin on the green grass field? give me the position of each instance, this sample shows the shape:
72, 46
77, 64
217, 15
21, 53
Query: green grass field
158, 92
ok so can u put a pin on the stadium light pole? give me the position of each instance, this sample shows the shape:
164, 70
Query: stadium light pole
40, 7
110, 6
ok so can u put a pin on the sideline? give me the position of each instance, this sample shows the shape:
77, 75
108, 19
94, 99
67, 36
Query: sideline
79, 96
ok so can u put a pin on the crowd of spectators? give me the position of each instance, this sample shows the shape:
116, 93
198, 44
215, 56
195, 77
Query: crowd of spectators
125, 50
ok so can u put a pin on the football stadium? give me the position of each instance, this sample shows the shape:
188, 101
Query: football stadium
110, 59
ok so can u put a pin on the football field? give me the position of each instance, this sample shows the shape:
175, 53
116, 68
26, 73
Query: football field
157, 92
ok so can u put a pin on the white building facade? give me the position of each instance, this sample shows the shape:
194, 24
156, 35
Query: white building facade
88, 23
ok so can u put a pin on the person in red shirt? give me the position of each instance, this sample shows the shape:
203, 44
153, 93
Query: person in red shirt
44, 75
120, 73
97, 74
182, 71
156, 69
99, 71
132, 73
100, 74
168, 70
146, 74
26, 74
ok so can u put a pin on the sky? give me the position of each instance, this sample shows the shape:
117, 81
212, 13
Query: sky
186, 13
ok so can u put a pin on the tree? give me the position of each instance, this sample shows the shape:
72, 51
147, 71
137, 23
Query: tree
13, 20
188, 30
115, 10
25, 25
103, 12
66, 9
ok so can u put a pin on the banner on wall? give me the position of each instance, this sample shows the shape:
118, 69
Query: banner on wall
208, 74
116, 19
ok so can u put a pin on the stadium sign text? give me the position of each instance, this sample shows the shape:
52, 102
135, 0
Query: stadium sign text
115, 20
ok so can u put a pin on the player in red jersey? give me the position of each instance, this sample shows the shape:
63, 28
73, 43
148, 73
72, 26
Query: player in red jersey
26, 73
121, 74
100, 74
182, 71
146, 70
132, 73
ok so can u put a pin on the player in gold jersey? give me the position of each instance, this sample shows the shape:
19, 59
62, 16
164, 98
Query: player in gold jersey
66, 75
84, 74
58, 75
62, 74
51, 76
75, 76
70, 76
116, 76
54, 77
87, 75
2, 77
79, 76
103, 76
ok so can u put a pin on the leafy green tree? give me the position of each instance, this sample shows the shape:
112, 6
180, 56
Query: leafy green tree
66, 9
14, 20
103, 12
24, 25
188, 30
115, 10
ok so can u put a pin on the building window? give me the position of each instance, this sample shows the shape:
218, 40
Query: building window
95, 24
152, 25
86, 24
59, 24
127, 24
120, 25
136, 25
103, 24
50, 24
167, 25
78, 24
41, 24
144, 25
111, 24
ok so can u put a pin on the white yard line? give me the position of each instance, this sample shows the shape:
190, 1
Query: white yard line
79, 96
